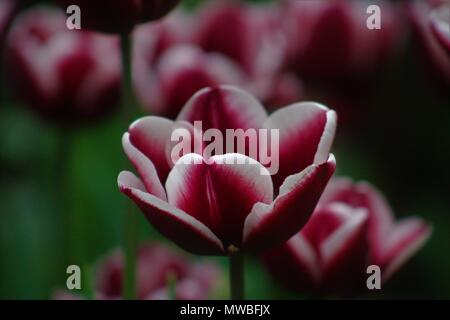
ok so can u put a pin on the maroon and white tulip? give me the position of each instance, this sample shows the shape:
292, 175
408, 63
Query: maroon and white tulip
119, 16
353, 227
214, 207
179, 73
174, 55
67, 76
250, 35
329, 40
155, 264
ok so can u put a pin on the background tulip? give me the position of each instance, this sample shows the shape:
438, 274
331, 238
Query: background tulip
119, 16
246, 210
156, 265
179, 73
163, 65
349, 49
67, 76
337, 57
352, 227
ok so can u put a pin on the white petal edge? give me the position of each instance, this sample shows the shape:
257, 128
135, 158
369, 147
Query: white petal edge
306, 255
127, 180
145, 167
355, 219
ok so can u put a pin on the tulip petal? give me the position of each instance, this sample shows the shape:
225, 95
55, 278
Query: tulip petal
406, 238
151, 135
306, 133
295, 264
145, 168
186, 231
343, 254
269, 225
224, 107
440, 25
218, 193
183, 70
381, 217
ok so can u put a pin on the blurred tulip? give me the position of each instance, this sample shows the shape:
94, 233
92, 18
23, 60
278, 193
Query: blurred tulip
240, 209
170, 65
433, 48
250, 35
352, 227
336, 55
180, 72
67, 76
119, 16
330, 40
155, 265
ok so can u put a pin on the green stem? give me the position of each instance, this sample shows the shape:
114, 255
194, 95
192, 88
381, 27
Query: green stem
171, 284
62, 171
237, 276
131, 223
88, 283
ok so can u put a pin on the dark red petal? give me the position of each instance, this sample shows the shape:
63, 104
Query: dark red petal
295, 264
306, 135
151, 135
270, 225
184, 70
343, 253
218, 193
186, 231
224, 107
145, 168
400, 244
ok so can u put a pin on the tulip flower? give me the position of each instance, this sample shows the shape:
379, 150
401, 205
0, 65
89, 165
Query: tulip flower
179, 73
119, 16
66, 76
250, 35
169, 58
429, 29
330, 40
214, 207
156, 264
353, 227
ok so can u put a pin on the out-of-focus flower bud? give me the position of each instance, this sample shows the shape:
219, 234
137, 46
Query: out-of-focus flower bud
67, 76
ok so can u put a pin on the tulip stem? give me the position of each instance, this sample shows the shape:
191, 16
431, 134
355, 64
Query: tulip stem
131, 222
237, 276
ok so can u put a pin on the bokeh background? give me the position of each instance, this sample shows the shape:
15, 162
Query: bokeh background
400, 143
